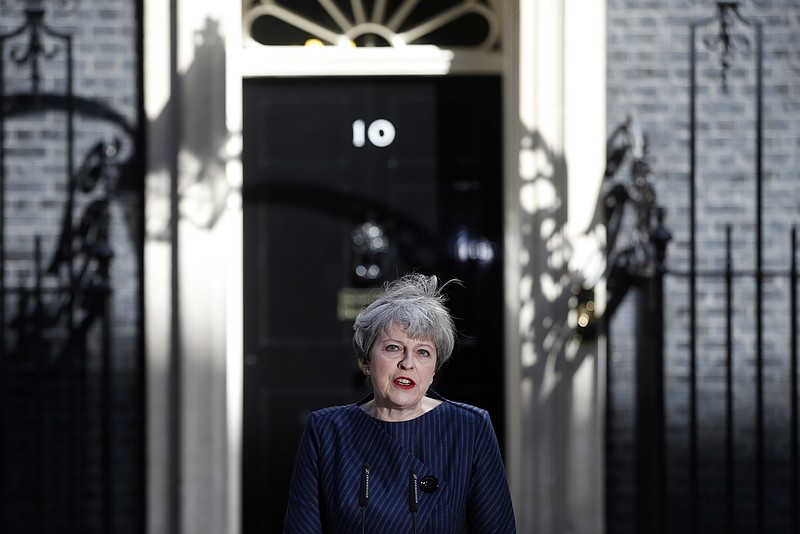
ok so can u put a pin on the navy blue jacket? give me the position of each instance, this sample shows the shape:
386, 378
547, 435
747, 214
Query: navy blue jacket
453, 448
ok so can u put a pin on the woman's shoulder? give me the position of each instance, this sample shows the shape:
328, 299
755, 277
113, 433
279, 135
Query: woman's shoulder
468, 409
334, 412
332, 416
463, 410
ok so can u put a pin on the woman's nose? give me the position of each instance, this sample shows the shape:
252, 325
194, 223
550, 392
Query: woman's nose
406, 363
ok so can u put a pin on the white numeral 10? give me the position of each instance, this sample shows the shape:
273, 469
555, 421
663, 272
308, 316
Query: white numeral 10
380, 133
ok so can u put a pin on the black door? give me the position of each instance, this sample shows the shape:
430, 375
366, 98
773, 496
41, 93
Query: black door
349, 183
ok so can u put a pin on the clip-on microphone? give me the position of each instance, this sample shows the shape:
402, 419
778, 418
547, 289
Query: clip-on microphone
413, 499
363, 494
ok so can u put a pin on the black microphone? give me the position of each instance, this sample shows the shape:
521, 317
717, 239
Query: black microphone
363, 494
413, 499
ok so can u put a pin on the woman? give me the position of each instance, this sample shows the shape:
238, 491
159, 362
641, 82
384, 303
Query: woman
404, 459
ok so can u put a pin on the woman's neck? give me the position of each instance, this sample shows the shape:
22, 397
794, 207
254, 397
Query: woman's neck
394, 414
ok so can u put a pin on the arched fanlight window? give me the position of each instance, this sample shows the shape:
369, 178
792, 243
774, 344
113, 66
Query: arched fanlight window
470, 24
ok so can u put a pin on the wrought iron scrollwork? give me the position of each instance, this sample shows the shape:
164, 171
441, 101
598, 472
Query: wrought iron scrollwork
726, 42
645, 251
35, 47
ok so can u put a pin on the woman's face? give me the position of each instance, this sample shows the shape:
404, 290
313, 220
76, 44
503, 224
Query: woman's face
401, 369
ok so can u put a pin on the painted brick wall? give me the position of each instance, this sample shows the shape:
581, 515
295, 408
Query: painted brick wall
52, 424
648, 78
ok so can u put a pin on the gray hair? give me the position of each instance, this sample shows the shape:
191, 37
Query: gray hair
416, 303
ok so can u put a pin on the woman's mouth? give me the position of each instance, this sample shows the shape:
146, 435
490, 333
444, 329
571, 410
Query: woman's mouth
404, 382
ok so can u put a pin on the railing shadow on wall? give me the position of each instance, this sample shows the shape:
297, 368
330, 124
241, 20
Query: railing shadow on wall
691, 476
56, 327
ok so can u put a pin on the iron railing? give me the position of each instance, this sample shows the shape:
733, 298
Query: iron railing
689, 504
56, 330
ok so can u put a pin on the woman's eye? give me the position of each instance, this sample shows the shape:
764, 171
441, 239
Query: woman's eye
392, 347
424, 352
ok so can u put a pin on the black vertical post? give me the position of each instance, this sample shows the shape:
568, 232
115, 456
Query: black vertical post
141, 360
103, 253
38, 370
2, 215
104, 257
728, 381
75, 358
175, 420
793, 440
650, 417
692, 282
759, 287
2, 258
649, 407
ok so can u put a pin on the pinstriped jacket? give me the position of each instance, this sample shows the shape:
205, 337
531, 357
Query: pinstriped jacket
453, 445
